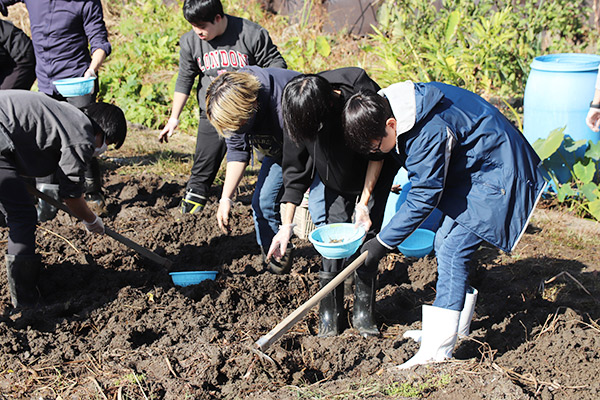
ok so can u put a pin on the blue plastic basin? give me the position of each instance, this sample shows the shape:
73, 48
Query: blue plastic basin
187, 278
337, 241
418, 244
72, 87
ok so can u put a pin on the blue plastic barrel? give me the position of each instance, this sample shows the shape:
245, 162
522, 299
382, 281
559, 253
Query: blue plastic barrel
558, 93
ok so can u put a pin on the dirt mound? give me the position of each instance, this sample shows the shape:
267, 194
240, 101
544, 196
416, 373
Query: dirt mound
114, 326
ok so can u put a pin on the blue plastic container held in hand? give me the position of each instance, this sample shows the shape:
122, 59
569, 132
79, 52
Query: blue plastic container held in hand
558, 93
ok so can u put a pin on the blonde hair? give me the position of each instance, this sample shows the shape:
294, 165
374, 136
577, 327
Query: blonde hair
231, 101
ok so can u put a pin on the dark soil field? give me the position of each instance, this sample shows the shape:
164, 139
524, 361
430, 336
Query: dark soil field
115, 327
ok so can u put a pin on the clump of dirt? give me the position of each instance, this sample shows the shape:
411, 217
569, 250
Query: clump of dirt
113, 324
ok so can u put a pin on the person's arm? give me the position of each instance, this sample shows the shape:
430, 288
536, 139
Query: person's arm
265, 52
593, 117
98, 58
80, 209
361, 212
95, 30
281, 239
233, 176
179, 100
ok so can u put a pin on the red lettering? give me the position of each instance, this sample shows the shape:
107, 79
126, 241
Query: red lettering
233, 59
224, 59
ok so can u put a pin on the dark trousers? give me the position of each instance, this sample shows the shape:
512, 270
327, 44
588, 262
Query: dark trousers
340, 208
18, 208
210, 150
18, 76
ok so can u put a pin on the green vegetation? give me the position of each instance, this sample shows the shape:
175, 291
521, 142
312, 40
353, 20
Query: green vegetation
573, 168
486, 48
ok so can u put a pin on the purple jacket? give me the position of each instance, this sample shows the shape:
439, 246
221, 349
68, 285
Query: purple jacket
61, 31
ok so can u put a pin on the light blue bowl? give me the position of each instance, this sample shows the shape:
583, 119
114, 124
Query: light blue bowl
187, 278
337, 241
72, 87
418, 244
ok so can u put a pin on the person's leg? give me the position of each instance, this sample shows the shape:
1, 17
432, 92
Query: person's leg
454, 246
316, 202
22, 264
210, 150
265, 202
332, 317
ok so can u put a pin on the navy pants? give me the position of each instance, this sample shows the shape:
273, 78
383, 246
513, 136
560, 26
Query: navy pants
18, 208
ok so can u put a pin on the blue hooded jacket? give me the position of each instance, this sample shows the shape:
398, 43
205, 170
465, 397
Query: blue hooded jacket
465, 158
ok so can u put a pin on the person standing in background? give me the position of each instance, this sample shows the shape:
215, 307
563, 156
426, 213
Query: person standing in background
69, 40
217, 43
593, 117
17, 59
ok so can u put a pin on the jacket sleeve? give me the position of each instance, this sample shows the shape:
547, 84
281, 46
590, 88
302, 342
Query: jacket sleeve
265, 52
188, 67
297, 171
71, 169
16, 43
426, 165
95, 29
238, 148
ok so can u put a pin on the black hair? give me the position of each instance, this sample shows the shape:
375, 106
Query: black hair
109, 120
199, 11
308, 107
363, 120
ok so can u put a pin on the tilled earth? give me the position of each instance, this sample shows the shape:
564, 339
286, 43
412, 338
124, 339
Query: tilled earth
115, 327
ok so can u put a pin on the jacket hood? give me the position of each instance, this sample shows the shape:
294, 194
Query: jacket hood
411, 102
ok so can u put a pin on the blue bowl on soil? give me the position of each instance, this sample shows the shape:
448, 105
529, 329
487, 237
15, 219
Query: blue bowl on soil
418, 244
72, 87
337, 241
187, 278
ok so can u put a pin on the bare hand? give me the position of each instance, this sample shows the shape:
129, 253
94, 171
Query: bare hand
280, 241
223, 215
593, 119
168, 130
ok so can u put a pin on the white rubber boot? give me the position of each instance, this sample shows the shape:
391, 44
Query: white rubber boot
438, 338
466, 315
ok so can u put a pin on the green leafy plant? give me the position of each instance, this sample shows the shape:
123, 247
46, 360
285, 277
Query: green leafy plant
573, 168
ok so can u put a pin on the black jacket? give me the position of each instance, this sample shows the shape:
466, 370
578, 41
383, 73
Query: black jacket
339, 168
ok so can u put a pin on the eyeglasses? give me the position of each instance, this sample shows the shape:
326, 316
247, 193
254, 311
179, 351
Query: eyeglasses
378, 148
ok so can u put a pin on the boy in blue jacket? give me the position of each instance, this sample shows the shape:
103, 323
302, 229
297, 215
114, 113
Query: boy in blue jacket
463, 157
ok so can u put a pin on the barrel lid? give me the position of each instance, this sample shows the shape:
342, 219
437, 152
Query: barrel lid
568, 62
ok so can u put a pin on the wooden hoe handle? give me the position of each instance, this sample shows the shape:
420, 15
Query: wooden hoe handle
117, 236
267, 340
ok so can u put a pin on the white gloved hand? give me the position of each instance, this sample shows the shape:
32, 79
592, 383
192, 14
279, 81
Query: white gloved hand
168, 130
90, 73
361, 217
223, 214
280, 241
97, 226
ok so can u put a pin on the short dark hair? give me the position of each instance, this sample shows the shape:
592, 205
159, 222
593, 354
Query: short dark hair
198, 11
110, 120
363, 120
308, 107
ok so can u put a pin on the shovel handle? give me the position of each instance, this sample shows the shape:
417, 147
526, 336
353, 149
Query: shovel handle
117, 236
267, 340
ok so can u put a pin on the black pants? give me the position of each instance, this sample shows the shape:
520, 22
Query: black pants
13, 76
340, 207
18, 208
210, 150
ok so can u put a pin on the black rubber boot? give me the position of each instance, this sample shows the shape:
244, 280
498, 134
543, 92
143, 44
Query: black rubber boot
192, 203
284, 265
363, 317
46, 211
331, 307
23, 273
